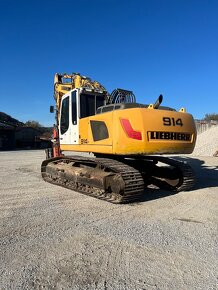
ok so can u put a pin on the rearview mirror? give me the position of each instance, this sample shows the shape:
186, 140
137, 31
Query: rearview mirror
51, 109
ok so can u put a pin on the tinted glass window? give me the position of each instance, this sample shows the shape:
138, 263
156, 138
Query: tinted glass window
99, 101
107, 109
65, 115
74, 109
98, 111
89, 104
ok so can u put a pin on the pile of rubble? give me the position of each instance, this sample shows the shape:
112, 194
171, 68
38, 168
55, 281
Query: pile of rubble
207, 143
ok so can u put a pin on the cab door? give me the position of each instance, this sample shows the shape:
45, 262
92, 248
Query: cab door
74, 117
68, 129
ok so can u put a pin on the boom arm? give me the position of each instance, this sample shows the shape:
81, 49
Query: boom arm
63, 83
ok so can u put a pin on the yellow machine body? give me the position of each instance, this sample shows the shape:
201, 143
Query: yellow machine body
147, 131
121, 130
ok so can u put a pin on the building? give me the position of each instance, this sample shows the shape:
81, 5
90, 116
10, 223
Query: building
13, 137
7, 137
25, 137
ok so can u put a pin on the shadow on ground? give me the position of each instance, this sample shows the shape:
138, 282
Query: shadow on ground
206, 176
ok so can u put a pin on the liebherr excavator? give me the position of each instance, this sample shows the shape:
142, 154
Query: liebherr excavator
127, 139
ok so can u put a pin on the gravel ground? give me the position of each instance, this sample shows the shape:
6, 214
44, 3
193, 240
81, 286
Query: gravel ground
54, 238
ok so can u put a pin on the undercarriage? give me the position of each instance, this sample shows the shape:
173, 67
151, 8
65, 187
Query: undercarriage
118, 179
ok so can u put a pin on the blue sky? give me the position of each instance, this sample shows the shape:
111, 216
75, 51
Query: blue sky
150, 47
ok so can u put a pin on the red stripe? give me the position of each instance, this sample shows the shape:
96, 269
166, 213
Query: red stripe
131, 133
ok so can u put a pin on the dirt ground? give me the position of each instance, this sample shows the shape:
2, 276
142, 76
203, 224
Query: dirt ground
54, 238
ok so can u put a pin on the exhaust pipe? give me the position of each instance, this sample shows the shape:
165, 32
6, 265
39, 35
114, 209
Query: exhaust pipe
158, 102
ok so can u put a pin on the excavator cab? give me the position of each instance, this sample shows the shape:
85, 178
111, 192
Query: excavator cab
76, 105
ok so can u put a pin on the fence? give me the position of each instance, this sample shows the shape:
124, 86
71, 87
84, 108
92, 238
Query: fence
203, 125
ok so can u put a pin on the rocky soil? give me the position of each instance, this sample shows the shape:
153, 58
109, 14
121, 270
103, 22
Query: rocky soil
54, 238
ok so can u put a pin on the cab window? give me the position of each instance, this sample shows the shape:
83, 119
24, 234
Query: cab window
89, 104
74, 108
65, 115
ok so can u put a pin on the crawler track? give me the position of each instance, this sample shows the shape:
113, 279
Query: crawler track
118, 181
103, 178
176, 176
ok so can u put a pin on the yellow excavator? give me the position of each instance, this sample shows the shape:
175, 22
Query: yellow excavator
127, 139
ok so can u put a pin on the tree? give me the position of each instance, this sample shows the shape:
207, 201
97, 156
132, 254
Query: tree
33, 124
209, 117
